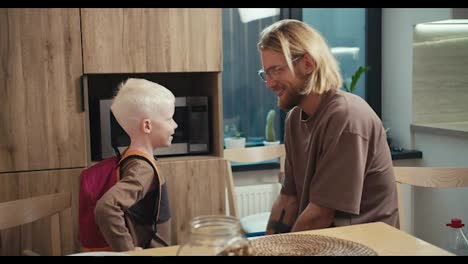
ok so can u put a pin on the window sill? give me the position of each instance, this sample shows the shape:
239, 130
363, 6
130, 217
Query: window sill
400, 154
265, 165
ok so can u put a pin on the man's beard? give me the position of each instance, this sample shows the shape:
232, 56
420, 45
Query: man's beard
292, 96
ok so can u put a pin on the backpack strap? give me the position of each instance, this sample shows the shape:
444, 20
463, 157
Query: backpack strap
117, 152
132, 153
143, 156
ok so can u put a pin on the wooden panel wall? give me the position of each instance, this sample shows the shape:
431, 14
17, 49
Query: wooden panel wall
124, 40
36, 236
41, 126
440, 80
196, 187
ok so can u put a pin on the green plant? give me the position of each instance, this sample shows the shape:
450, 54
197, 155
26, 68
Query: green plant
269, 128
232, 131
355, 78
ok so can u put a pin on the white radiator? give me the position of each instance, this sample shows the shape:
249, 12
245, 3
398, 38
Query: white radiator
253, 199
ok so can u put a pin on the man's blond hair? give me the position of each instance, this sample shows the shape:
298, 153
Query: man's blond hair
137, 99
294, 39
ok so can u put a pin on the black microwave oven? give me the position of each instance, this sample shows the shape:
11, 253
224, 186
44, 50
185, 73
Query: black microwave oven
191, 137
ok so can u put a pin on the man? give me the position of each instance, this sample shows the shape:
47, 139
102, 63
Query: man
338, 167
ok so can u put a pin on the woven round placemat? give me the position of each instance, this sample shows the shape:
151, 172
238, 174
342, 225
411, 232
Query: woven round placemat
308, 245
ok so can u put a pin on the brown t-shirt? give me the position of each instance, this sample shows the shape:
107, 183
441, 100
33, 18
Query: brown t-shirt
339, 158
125, 213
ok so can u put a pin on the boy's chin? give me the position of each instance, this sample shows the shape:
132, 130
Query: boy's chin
163, 145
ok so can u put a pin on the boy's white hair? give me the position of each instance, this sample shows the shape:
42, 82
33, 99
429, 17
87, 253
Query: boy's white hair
137, 99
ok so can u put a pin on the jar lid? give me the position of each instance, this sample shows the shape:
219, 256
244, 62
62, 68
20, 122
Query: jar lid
456, 223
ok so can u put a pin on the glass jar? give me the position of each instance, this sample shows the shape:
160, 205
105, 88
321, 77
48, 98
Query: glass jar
215, 235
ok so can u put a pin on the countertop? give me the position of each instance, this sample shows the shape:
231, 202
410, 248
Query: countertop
384, 239
446, 128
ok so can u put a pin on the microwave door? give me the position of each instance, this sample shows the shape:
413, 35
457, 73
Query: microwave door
198, 125
105, 126
112, 134
119, 138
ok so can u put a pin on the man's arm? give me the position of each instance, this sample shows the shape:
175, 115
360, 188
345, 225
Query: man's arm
283, 214
314, 217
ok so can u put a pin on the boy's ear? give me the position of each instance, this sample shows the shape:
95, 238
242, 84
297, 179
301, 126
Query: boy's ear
146, 126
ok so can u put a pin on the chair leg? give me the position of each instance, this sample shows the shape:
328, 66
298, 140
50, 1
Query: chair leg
28, 252
230, 191
55, 235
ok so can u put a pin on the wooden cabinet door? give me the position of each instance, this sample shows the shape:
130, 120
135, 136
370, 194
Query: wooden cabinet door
195, 187
37, 235
41, 124
129, 40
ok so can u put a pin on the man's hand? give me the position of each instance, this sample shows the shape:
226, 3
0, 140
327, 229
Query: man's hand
314, 217
283, 215
278, 227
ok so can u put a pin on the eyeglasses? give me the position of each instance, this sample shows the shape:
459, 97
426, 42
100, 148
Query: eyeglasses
274, 71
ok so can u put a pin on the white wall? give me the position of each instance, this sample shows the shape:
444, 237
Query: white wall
397, 54
431, 208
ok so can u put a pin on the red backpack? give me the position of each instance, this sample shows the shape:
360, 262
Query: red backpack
95, 181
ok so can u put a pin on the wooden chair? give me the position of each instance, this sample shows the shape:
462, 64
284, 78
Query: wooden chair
24, 211
251, 155
430, 177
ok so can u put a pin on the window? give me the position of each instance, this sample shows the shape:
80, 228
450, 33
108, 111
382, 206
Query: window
344, 30
246, 100
353, 34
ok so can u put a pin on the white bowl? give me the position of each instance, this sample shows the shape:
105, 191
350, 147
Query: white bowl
270, 143
232, 142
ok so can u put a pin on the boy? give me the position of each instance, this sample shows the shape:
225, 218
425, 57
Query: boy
125, 213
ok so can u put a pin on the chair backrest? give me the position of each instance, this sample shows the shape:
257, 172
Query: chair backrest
430, 177
28, 210
250, 155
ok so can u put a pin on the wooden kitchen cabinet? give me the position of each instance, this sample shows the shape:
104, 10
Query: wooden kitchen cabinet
196, 187
134, 40
43, 130
41, 124
36, 236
